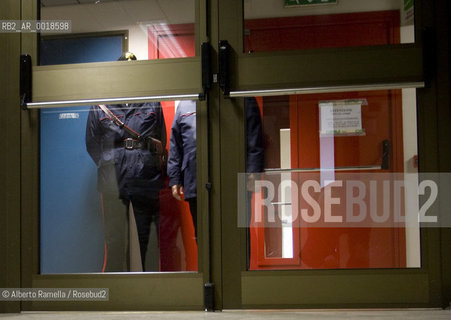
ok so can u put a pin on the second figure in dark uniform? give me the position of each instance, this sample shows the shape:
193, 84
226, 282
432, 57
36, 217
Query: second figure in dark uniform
182, 150
182, 156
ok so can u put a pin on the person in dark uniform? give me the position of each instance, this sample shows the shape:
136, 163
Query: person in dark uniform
182, 157
182, 150
129, 171
255, 160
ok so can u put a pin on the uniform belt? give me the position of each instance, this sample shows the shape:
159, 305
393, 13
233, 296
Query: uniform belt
131, 144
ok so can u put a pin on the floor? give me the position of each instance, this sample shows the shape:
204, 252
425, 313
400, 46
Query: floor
239, 315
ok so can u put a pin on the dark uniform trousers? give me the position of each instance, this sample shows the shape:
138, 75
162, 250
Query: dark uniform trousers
116, 229
193, 209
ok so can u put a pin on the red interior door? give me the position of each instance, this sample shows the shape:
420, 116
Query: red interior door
381, 119
178, 248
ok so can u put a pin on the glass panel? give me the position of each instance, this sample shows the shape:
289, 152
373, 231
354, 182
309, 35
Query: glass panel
150, 29
300, 24
331, 181
106, 198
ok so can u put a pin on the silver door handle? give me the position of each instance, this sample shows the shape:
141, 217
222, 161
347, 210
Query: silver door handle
87, 102
326, 89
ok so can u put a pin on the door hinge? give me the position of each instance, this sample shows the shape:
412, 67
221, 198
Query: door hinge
224, 74
206, 66
25, 80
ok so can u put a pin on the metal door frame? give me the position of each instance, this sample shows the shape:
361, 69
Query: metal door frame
130, 291
222, 130
312, 71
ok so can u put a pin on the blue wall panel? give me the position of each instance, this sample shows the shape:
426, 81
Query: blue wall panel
71, 218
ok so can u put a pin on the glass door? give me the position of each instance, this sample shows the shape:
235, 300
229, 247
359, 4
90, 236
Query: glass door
117, 145
322, 101
312, 111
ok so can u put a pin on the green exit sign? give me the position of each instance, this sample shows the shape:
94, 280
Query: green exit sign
292, 3
408, 4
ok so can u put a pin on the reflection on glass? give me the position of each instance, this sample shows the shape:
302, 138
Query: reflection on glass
106, 201
149, 28
317, 141
293, 25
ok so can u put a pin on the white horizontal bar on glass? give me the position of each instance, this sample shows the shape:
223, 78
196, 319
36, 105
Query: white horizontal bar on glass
281, 203
329, 89
88, 102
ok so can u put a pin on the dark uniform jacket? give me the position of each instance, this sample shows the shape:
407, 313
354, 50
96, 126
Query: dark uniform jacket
182, 145
129, 172
254, 137
182, 149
